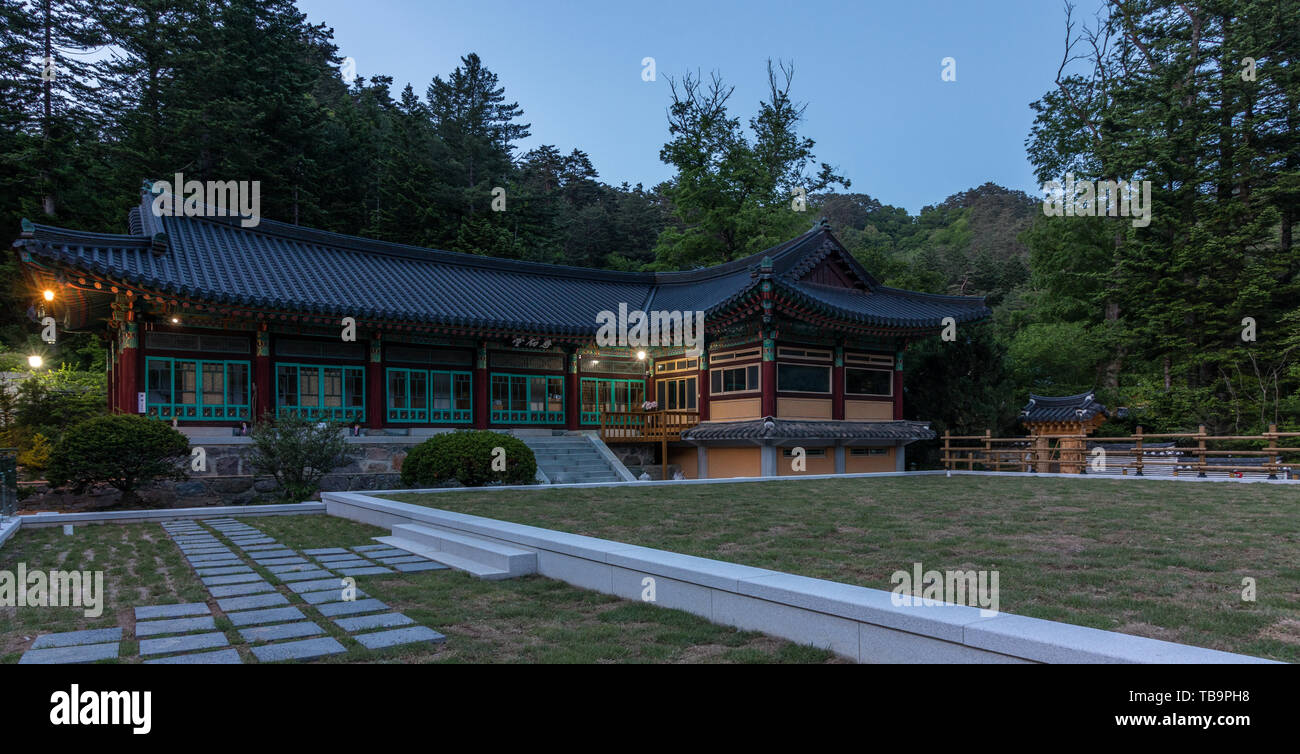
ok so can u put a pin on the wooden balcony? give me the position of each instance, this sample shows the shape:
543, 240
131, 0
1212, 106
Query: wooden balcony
646, 426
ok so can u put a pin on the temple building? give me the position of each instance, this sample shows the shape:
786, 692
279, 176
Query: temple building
213, 324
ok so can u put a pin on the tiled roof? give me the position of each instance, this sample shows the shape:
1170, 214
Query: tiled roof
770, 428
1067, 408
285, 267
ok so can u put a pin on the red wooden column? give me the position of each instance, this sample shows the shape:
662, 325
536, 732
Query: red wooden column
376, 410
572, 392
837, 385
263, 390
128, 365
769, 374
111, 377
482, 394
898, 385
703, 386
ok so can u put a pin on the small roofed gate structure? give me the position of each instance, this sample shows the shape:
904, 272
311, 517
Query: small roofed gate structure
1068, 419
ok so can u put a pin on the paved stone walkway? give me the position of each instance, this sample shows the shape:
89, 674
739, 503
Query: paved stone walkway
272, 622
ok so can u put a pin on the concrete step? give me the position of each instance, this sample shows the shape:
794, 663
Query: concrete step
492, 555
487, 573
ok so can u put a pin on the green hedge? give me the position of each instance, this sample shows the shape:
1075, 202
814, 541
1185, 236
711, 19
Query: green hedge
467, 457
125, 451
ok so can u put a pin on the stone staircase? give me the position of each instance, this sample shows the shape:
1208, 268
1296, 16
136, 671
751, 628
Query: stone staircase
572, 459
487, 559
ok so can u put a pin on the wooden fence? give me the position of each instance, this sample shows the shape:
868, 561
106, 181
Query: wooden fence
1140, 454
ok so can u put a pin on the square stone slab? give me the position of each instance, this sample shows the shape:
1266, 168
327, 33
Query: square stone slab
291, 567
282, 631
392, 552
414, 567
326, 551
338, 557
212, 558
409, 635
367, 571
268, 546
223, 570
174, 626
368, 548
252, 601
402, 559
301, 575
327, 595
232, 578
186, 643
363, 622
69, 655
298, 650
224, 561
331, 609
172, 611
280, 561
316, 585
270, 615
235, 590
222, 657
76, 638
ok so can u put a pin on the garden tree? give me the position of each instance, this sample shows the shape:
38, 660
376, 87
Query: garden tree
297, 452
470, 458
124, 451
1162, 91
731, 195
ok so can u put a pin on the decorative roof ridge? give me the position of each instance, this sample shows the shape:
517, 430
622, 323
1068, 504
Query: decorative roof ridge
929, 296
1089, 395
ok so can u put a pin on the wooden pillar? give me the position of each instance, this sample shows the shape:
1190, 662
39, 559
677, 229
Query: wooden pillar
572, 392
482, 392
837, 387
128, 364
898, 385
110, 378
769, 375
702, 386
263, 386
376, 409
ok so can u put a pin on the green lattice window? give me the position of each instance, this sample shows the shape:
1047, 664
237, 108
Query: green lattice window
197, 390
429, 396
527, 399
329, 393
601, 395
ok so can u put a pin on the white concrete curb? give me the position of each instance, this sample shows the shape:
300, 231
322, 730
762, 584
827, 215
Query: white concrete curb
856, 622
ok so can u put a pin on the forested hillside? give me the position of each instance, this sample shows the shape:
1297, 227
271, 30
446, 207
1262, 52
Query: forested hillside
1151, 316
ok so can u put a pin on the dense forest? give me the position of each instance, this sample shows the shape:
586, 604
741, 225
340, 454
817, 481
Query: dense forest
1200, 99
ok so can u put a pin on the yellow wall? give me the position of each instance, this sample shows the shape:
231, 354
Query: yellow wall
735, 409
869, 410
688, 459
825, 465
803, 408
734, 462
868, 464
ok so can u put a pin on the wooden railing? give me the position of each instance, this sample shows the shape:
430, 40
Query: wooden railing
646, 426
660, 427
1168, 453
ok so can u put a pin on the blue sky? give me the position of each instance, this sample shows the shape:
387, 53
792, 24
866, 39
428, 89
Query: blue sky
869, 71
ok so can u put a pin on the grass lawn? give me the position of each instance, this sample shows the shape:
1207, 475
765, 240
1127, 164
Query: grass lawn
531, 619
1153, 558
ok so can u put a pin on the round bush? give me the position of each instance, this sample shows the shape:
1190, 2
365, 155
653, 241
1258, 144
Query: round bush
124, 451
467, 457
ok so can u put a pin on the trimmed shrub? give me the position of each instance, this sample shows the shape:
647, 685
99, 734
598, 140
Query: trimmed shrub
124, 451
468, 457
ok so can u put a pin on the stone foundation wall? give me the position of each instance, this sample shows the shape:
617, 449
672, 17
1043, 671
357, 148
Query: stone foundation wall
635, 454
229, 475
